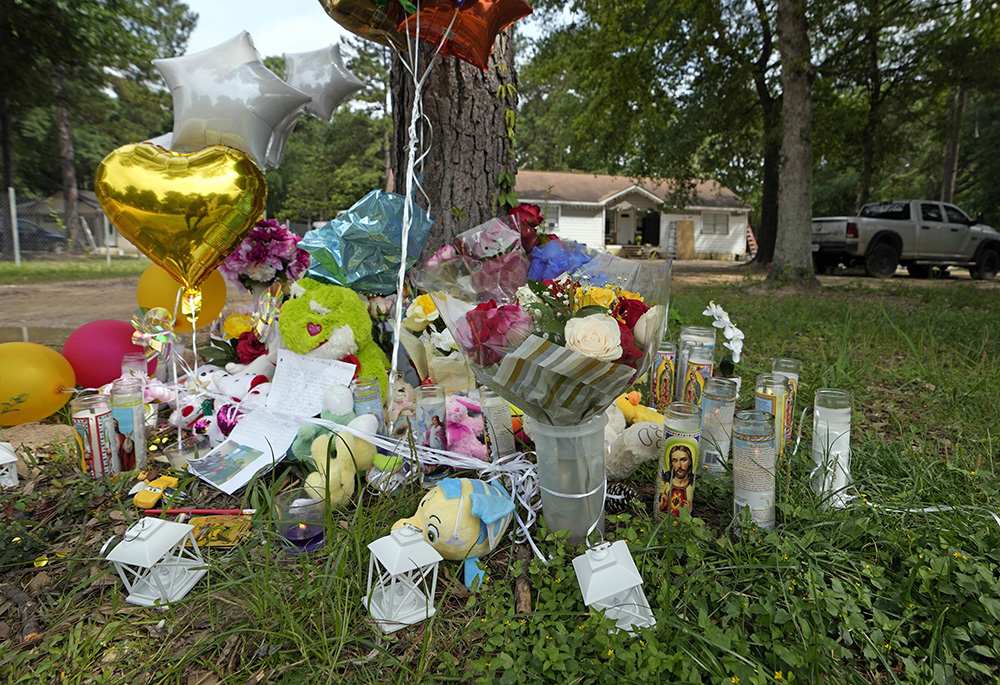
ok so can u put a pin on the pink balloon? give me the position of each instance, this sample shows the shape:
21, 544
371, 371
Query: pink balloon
95, 351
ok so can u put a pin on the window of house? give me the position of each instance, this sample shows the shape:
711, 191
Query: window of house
715, 223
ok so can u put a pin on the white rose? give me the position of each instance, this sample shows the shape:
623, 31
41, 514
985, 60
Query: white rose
443, 340
648, 325
596, 336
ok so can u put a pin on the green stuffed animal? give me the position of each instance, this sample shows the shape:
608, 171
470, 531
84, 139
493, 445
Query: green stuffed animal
332, 322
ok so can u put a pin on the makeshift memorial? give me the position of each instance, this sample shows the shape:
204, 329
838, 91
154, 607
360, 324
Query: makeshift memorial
93, 428
831, 447
269, 254
772, 397
8, 466
754, 459
225, 95
331, 322
661, 383
463, 519
35, 382
718, 402
321, 75
157, 288
301, 517
95, 351
679, 462
157, 560
465, 29
361, 249
610, 582
690, 336
561, 343
790, 369
128, 413
402, 579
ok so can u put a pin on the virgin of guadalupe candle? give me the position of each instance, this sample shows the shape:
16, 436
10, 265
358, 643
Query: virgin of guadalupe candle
690, 335
699, 370
754, 460
675, 477
789, 368
93, 426
661, 387
771, 396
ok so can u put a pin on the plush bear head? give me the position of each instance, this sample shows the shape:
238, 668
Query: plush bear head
332, 322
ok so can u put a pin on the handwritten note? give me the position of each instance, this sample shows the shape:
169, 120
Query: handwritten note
300, 381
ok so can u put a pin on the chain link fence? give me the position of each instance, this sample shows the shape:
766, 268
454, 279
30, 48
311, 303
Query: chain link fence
45, 232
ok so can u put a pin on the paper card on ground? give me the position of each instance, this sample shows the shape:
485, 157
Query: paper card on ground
300, 381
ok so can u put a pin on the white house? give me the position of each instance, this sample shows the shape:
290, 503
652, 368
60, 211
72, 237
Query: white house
609, 212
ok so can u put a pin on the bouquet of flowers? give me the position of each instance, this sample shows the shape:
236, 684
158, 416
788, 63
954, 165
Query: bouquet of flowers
557, 330
269, 254
432, 348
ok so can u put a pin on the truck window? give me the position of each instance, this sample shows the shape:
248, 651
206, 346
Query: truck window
931, 212
897, 211
955, 215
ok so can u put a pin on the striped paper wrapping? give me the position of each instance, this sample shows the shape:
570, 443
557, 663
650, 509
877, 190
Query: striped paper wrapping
564, 385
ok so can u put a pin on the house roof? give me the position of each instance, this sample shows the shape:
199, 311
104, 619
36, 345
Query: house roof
572, 187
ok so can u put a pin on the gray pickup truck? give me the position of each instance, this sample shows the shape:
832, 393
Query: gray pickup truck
918, 234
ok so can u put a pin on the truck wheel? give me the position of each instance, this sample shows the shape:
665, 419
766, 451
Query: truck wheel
987, 265
882, 260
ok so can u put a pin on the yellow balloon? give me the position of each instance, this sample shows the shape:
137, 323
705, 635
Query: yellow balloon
185, 212
35, 382
157, 288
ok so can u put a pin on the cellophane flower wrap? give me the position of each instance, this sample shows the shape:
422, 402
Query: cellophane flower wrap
559, 330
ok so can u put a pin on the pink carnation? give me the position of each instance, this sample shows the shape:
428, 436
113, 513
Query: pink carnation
269, 253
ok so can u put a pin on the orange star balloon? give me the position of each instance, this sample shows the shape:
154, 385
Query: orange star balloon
468, 28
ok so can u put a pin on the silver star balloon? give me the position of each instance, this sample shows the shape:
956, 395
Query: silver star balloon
322, 75
225, 95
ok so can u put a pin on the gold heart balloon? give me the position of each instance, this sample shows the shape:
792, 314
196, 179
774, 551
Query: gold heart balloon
185, 212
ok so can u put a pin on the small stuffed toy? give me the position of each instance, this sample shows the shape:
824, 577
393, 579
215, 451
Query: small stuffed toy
337, 458
641, 442
463, 519
464, 430
331, 322
635, 412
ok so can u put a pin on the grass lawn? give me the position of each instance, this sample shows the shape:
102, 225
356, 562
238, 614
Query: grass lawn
882, 591
83, 268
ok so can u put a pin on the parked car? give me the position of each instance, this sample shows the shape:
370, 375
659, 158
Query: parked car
34, 238
917, 234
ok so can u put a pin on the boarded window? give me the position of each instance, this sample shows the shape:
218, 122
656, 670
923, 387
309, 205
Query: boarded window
713, 223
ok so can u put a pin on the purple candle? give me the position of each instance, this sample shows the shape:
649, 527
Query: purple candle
301, 518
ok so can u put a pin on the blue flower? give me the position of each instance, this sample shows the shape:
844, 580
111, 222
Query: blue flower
555, 258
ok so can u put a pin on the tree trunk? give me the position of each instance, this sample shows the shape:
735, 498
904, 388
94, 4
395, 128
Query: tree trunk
7, 164
793, 244
464, 133
771, 116
872, 121
951, 147
67, 165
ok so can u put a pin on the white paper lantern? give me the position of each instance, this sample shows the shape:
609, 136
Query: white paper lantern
610, 581
402, 579
158, 560
8, 466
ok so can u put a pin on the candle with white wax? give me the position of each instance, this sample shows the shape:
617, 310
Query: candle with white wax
831, 449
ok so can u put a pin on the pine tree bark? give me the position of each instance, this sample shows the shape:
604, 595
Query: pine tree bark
7, 165
464, 134
771, 116
67, 165
793, 243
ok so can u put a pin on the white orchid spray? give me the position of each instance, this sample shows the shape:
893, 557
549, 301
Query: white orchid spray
733, 335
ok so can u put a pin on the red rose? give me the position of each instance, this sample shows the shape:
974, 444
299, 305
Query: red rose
526, 213
249, 347
630, 353
629, 311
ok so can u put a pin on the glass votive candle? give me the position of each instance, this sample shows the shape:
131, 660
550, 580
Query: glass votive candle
94, 429
134, 364
301, 520
754, 463
675, 477
718, 401
690, 336
772, 397
831, 448
661, 389
192, 447
790, 369
700, 360
368, 399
